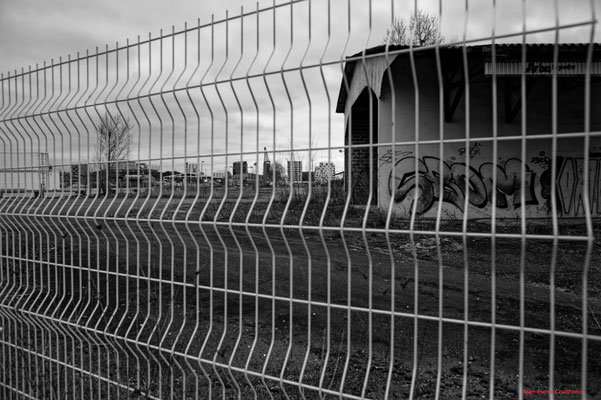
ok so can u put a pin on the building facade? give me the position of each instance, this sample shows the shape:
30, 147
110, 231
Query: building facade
324, 172
191, 168
420, 143
240, 168
295, 171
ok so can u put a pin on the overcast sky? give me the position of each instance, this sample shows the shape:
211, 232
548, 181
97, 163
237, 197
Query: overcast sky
34, 31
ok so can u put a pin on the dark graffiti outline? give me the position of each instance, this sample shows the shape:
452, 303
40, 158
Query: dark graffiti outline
457, 178
570, 186
387, 157
474, 150
542, 160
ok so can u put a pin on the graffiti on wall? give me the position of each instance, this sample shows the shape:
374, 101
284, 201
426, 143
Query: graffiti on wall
474, 150
475, 183
570, 186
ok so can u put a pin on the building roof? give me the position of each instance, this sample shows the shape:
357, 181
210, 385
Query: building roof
511, 52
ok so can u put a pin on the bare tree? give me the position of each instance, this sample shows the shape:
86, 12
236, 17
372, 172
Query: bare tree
113, 142
422, 29
114, 138
280, 172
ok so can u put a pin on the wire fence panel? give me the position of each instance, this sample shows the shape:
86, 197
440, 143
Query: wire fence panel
312, 199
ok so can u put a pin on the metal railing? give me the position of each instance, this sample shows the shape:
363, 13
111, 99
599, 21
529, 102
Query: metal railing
136, 263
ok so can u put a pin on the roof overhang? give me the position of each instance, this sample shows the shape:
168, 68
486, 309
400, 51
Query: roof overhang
500, 59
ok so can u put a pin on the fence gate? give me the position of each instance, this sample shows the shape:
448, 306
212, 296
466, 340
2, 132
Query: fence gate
309, 199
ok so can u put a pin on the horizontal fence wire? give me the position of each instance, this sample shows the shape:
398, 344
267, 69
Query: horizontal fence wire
304, 200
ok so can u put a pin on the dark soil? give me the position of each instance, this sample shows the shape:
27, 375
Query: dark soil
257, 302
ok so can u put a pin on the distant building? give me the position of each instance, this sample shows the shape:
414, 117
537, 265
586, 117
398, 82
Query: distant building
124, 165
79, 169
79, 173
267, 173
220, 175
240, 168
307, 174
191, 168
251, 177
120, 168
295, 171
325, 172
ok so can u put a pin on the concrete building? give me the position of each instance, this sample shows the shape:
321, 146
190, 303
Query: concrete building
416, 113
125, 165
308, 176
191, 168
295, 171
325, 172
240, 168
267, 172
220, 176
79, 175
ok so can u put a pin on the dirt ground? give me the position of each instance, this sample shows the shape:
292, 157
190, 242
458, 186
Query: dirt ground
253, 306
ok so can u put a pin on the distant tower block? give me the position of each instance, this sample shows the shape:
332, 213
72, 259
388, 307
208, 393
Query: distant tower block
240, 168
325, 172
295, 171
267, 173
43, 171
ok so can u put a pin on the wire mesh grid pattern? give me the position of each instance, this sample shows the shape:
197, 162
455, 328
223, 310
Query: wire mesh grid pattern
141, 259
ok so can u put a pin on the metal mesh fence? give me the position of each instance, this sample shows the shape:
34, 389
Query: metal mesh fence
287, 203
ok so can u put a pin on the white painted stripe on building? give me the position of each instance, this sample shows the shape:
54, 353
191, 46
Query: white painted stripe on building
542, 68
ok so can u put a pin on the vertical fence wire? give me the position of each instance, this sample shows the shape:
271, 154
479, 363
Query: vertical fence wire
166, 230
